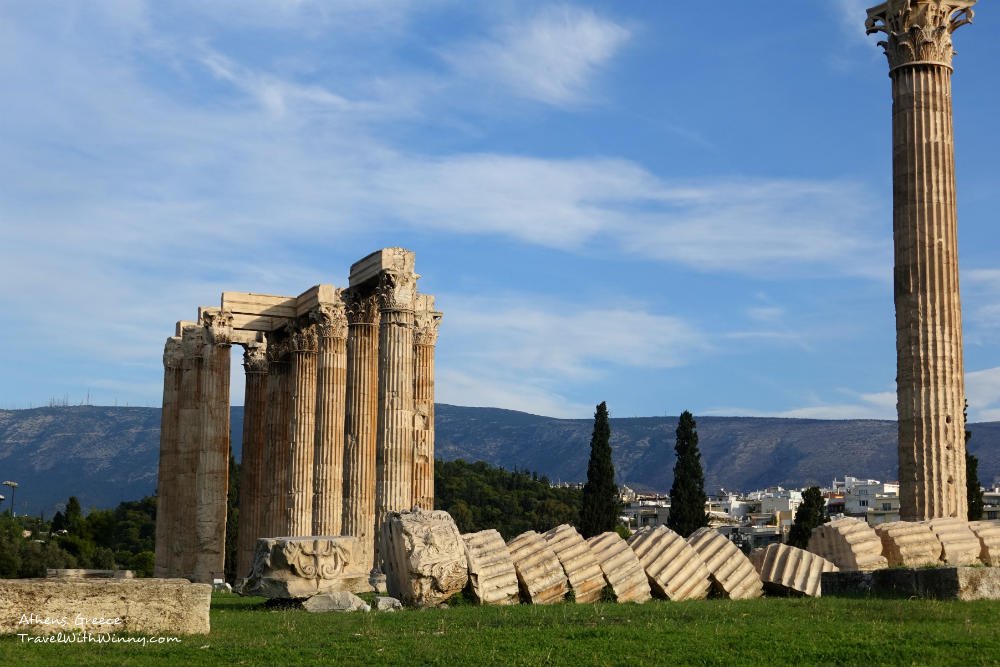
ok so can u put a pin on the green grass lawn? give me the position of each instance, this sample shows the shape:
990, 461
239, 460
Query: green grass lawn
771, 631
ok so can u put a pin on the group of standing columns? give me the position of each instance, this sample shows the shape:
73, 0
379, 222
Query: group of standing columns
338, 425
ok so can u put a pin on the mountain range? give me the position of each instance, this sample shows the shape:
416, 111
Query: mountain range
104, 455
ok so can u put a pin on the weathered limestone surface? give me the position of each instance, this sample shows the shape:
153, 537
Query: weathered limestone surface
944, 583
277, 443
78, 573
789, 569
302, 433
423, 557
909, 544
675, 570
622, 570
929, 377
394, 447
959, 545
331, 395
335, 601
491, 568
988, 533
167, 504
425, 332
148, 606
252, 471
729, 569
300, 567
850, 544
581, 568
361, 418
540, 576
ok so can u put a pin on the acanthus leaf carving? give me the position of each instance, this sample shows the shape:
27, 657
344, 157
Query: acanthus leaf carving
255, 358
396, 291
361, 307
331, 318
219, 324
304, 340
318, 559
918, 31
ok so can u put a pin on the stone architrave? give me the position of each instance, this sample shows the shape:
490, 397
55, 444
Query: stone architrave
540, 576
167, 501
959, 545
850, 544
729, 569
361, 418
423, 557
929, 376
394, 447
582, 570
331, 394
988, 533
786, 569
909, 544
492, 577
300, 567
675, 570
425, 333
277, 445
621, 568
251, 518
165, 607
302, 432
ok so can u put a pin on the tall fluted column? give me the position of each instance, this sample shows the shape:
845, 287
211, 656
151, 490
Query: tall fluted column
276, 448
212, 478
394, 449
929, 380
331, 393
168, 502
182, 540
426, 323
251, 519
302, 432
361, 418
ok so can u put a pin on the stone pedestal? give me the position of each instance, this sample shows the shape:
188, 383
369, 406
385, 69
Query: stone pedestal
300, 567
929, 378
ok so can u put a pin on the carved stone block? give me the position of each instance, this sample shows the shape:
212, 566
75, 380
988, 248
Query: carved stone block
848, 543
423, 557
540, 576
621, 568
908, 544
787, 569
988, 533
491, 568
300, 567
674, 569
959, 545
581, 568
729, 569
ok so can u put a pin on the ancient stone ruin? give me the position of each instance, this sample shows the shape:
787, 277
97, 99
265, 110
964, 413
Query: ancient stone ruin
338, 424
929, 377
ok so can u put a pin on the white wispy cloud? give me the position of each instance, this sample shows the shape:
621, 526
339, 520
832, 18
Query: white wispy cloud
552, 58
874, 405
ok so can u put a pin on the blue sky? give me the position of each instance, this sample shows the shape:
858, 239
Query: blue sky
659, 205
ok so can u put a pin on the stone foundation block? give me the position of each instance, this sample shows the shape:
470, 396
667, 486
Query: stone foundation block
943, 583
301, 567
163, 607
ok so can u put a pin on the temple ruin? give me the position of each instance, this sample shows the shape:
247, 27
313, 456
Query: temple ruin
929, 376
338, 426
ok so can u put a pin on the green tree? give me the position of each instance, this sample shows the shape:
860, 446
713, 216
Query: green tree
232, 522
810, 514
599, 512
973, 489
687, 494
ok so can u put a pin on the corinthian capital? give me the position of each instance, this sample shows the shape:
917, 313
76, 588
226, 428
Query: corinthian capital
219, 324
173, 353
361, 307
255, 358
396, 291
303, 340
331, 318
918, 31
426, 321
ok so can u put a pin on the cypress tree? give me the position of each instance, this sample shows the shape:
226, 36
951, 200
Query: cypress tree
687, 494
599, 511
810, 514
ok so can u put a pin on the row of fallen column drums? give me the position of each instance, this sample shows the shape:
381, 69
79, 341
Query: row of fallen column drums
546, 568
